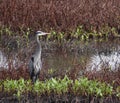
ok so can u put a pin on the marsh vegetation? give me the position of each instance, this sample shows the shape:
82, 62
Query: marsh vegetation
81, 57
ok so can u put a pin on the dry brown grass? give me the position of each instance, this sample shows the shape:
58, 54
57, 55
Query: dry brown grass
59, 14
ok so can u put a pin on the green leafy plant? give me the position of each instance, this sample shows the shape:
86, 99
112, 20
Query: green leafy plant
7, 30
81, 86
88, 87
118, 91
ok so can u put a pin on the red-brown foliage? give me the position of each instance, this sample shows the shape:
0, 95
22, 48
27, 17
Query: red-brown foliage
106, 76
59, 14
12, 73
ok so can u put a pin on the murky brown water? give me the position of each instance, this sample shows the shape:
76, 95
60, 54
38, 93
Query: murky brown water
92, 55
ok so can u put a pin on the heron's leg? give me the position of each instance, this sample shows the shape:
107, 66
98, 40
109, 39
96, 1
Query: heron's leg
34, 79
37, 75
32, 74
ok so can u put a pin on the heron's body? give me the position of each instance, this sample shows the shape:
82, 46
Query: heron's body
35, 66
35, 63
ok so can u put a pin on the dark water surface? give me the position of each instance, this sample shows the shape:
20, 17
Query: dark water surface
92, 55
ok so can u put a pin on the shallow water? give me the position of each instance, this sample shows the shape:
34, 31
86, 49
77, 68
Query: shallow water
92, 55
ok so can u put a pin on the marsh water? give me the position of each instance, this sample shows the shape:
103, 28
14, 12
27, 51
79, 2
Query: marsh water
92, 55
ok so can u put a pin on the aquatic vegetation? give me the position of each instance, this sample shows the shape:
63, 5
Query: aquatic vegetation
26, 34
58, 86
118, 91
15, 85
79, 33
90, 87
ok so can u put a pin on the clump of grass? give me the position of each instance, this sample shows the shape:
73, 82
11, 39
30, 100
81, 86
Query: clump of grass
58, 86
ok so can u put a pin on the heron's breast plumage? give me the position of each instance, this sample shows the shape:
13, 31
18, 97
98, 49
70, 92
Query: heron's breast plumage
37, 64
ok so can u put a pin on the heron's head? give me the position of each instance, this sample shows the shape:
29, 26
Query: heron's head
39, 33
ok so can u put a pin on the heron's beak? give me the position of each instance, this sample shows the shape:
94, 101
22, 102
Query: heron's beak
43, 34
46, 33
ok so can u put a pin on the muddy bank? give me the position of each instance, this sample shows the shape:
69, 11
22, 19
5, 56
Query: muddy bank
59, 99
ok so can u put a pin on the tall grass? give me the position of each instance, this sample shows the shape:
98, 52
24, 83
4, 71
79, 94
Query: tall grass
59, 14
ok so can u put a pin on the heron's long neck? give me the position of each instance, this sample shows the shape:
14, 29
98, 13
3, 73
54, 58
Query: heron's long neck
39, 46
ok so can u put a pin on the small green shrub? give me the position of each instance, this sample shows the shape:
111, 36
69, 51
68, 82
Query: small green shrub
118, 91
81, 86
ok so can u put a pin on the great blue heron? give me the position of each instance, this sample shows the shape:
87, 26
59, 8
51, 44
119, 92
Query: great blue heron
35, 63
